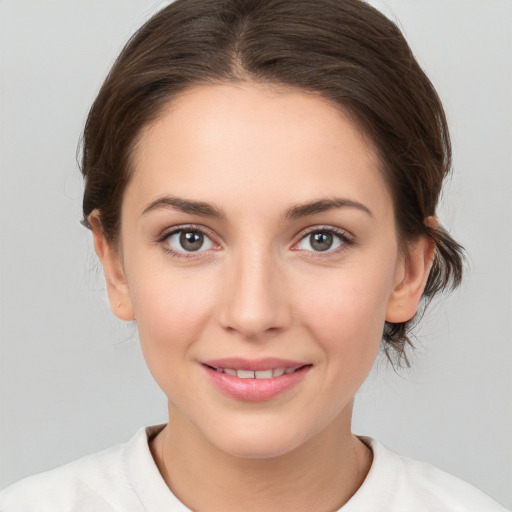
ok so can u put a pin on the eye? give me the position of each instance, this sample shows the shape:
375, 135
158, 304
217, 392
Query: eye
188, 240
323, 240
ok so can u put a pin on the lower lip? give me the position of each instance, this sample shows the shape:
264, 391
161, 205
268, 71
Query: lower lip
255, 390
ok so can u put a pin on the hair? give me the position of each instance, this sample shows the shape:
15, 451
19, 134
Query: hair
342, 50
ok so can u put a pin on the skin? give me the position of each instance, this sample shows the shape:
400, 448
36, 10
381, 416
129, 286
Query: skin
260, 289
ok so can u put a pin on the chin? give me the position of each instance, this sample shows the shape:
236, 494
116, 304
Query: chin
259, 441
258, 448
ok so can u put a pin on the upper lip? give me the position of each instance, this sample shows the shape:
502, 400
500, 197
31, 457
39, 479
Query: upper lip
266, 363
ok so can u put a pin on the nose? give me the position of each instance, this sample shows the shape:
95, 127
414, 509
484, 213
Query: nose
254, 301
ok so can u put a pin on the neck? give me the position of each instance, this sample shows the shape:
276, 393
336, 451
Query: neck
322, 474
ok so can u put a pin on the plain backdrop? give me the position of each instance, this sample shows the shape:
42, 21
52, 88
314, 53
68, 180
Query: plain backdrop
72, 377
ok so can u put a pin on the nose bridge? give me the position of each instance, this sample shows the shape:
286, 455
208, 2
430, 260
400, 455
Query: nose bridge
254, 302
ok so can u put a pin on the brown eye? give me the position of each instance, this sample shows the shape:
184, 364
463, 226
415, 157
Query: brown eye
323, 240
189, 240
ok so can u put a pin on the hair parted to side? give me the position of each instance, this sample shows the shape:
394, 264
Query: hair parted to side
343, 50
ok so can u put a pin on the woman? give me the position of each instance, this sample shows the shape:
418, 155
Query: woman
261, 182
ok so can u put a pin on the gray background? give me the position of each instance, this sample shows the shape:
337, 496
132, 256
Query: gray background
72, 377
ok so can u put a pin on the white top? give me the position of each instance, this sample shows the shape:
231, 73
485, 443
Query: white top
125, 478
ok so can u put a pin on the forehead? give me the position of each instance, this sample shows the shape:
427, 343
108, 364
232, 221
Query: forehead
254, 141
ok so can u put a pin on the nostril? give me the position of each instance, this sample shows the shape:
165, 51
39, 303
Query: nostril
254, 302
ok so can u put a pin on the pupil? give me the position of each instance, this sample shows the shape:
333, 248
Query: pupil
191, 240
321, 241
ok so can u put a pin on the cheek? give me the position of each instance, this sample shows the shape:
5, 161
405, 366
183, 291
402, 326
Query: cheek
346, 315
171, 311
165, 296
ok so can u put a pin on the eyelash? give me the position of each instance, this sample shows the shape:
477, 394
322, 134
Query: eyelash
345, 239
179, 229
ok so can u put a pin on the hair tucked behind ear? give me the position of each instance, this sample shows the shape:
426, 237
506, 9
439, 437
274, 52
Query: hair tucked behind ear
343, 50
445, 274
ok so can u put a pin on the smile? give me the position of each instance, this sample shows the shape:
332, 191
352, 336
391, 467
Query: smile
257, 374
255, 381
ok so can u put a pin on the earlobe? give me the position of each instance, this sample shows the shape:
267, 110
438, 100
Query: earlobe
404, 300
115, 279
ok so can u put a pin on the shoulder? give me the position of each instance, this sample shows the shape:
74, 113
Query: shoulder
403, 484
97, 482
436, 489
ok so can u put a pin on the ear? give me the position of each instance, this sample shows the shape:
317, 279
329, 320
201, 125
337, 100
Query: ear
411, 278
110, 257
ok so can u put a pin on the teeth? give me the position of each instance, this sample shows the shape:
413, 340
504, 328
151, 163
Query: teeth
245, 374
264, 374
256, 374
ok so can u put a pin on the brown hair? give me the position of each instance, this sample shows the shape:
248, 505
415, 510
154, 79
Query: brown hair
344, 50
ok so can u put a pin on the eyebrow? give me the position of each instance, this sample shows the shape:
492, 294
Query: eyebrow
186, 206
323, 205
204, 209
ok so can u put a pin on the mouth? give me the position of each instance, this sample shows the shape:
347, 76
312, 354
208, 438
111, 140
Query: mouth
255, 381
269, 373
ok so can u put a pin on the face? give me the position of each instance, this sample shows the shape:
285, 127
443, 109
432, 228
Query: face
259, 257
